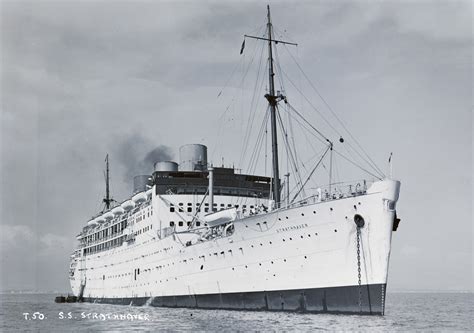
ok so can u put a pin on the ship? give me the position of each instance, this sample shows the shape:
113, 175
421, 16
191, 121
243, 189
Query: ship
195, 235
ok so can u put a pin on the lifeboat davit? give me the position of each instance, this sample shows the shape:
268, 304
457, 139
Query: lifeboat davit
117, 211
128, 205
139, 197
108, 216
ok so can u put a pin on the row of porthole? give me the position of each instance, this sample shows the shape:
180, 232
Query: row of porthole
252, 246
136, 258
314, 212
201, 268
302, 214
271, 262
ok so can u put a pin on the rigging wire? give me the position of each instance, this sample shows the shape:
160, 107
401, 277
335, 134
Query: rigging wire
283, 89
289, 152
309, 124
334, 113
304, 125
252, 112
310, 175
254, 156
257, 148
330, 125
245, 69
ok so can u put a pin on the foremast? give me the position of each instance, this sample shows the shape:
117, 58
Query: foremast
107, 200
273, 102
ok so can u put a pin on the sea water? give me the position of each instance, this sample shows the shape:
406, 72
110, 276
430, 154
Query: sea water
404, 312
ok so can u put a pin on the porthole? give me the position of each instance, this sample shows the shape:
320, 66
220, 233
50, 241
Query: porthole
335, 230
302, 214
314, 212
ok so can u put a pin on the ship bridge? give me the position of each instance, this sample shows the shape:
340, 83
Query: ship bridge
226, 182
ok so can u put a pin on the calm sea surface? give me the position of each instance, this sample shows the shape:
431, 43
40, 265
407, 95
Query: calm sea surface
404, 312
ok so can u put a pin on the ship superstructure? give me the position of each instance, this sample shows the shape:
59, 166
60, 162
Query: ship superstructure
194, 235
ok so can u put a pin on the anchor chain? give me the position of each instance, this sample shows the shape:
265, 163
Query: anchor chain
358, 269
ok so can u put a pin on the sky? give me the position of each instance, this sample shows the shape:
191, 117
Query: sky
136, 80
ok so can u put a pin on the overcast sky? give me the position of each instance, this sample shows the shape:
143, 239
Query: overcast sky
85, 78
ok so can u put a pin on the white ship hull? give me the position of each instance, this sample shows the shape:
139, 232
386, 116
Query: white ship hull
301, 259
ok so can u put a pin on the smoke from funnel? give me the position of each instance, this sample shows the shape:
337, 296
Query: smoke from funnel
137, 155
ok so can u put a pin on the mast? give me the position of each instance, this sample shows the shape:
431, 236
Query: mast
272, 100
107, 198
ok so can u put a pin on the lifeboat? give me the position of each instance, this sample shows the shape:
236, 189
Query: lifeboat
221, 217
108, 216
128, 205
99, 219
118, 211
139, 197
148, 192
92, 222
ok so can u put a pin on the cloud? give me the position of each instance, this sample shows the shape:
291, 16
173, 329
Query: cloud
28, 257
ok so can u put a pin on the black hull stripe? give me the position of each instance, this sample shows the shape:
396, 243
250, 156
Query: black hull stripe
343, 300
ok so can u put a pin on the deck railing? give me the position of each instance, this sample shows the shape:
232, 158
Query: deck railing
335, 191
